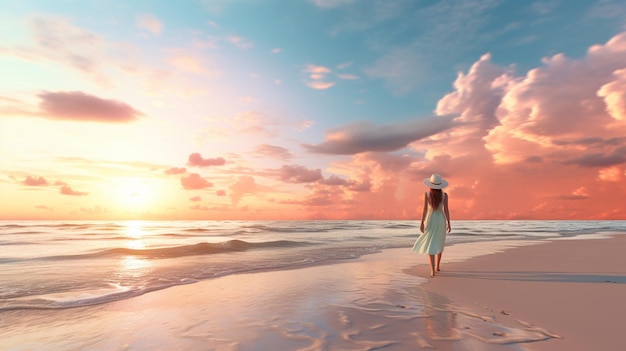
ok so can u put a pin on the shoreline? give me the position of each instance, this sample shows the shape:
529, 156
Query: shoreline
380, 300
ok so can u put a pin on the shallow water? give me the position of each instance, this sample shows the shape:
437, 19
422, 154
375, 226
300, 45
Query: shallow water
351, 305
56, 264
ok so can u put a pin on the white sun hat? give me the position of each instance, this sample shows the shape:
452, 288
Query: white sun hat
435, 182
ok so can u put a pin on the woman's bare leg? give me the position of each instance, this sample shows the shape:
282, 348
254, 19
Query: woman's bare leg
431, 258
439, 260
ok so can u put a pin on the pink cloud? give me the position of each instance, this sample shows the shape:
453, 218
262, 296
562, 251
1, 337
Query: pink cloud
78, 106
195, 198
44, 207
578, 194
66, 190
612, 174
362, 136
363, 186
320, 85
245, 185
349, 184
220, 193
196, 160
557, 108
536, 136
273, 151
299, 174
35, 181
318, 77
194, 181
334, 181
175, 170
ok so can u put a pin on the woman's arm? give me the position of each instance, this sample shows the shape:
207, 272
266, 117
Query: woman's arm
424, 211
446, 212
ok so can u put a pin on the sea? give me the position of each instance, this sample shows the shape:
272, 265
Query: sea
67, 264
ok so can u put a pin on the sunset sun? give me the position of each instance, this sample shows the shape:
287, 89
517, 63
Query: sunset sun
134, 194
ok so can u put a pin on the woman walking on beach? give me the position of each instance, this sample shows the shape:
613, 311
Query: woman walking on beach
435, 222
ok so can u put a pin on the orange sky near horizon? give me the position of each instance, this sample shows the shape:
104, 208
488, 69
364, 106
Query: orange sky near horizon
159, 120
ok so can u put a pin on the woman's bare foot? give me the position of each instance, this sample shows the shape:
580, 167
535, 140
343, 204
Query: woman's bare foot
438, 270
432, 273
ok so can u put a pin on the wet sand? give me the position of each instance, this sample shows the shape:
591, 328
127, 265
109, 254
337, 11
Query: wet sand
380, 301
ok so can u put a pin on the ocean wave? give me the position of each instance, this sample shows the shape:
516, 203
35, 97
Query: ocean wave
7, 243
82, 298
176, 235
294, 229
186, 250
67, 296
196, 230
27, 232
400, 226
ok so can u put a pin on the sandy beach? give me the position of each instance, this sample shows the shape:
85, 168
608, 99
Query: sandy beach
574, 288
527, 296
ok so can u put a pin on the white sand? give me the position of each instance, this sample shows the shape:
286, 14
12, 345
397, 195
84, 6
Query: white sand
574, 288
377, 301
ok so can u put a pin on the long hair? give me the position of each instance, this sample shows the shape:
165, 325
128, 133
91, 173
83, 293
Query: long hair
436, 197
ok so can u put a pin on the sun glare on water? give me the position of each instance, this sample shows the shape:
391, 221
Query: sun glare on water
132, 266
134, 230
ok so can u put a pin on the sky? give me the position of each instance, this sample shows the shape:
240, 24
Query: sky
311, 109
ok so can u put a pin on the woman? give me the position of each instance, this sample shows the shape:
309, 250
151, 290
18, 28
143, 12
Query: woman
435, 222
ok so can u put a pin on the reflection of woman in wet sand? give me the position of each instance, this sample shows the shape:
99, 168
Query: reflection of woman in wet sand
440, 320
435, 222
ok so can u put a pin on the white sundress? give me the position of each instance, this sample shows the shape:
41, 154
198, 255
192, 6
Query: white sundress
433, 239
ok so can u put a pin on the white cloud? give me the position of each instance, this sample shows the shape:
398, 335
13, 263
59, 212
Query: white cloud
614, 94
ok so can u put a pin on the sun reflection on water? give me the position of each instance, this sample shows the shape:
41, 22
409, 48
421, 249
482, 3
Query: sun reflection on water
133, 266
134, 229
135, 234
